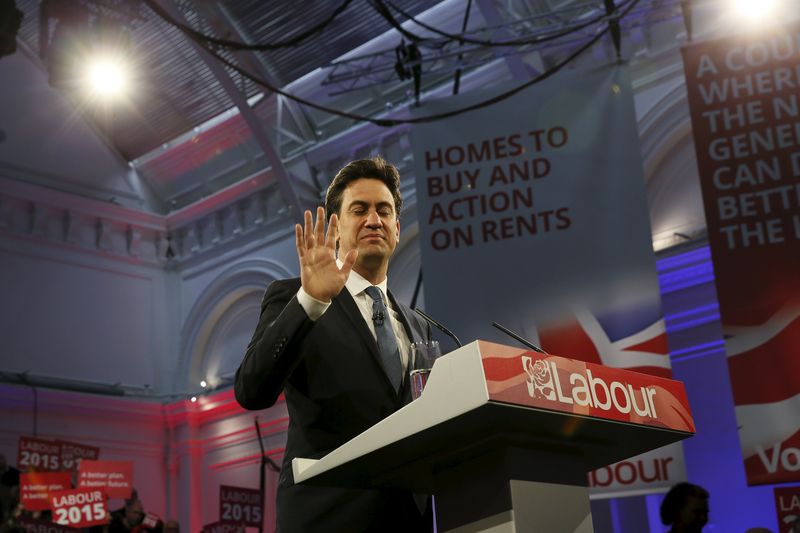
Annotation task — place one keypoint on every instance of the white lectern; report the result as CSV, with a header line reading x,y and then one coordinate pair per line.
x,y
504,438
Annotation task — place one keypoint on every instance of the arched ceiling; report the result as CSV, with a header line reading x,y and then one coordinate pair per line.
x,y
195,126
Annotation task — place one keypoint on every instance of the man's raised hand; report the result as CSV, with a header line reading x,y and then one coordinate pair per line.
x,y
319,274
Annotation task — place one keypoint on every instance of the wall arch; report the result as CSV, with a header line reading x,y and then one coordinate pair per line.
x,y
219,320
672,182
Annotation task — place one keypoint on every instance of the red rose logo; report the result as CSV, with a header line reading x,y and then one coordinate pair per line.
x,y
541,373
540,380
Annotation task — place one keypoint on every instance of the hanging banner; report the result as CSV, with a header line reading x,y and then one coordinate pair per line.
x,y
79,508
113,477
222,527
533,214
38,455
32,525
238,505
787,507
73,452
745,109
35,488
150,521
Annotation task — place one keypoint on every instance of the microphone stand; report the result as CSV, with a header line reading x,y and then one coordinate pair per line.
x,y
438,326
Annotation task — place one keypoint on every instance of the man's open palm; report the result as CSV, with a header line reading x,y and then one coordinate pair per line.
x,y
319,274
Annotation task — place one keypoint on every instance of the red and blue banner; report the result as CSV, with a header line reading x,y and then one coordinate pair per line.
x,y
532,213
745,108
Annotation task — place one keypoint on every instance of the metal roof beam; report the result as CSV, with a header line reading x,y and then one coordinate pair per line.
x,y
255,125
256,63
368,69
492,17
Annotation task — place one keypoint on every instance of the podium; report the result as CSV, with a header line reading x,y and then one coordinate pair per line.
x,y
504,438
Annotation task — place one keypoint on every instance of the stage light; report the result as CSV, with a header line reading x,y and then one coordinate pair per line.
x,y
755,10
204,384
194,399
106,77
109,62
86,52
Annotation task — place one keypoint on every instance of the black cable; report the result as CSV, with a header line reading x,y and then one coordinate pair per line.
x,y
480,42
383,11
266,460
236,45
465,23
384,122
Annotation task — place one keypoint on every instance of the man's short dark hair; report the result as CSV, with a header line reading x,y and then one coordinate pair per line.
x,y
376,168
676,499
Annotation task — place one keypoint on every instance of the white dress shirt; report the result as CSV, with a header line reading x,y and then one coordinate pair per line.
x,y
356,284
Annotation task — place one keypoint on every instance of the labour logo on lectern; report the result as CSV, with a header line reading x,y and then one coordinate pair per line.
x,y
540,379
584,389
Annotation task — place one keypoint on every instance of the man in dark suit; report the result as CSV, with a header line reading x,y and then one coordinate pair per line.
x,y
338,345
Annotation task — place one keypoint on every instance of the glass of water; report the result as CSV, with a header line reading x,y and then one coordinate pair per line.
x,y
423,355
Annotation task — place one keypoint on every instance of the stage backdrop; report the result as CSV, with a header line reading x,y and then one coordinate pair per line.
x,y
745,106
533,214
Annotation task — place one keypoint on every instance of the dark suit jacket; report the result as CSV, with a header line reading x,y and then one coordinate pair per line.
x,y
335,388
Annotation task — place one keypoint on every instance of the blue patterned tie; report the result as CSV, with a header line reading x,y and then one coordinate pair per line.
x,y
387,343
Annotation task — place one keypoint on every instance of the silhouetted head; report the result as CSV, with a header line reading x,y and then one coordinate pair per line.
x,y
685,508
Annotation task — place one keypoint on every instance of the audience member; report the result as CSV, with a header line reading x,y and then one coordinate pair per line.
x,y
685,508
9,480
130,520
9,476
121,511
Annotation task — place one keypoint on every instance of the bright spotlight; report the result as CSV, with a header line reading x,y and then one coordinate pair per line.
x,y
755,9
194,399
204,384
107,77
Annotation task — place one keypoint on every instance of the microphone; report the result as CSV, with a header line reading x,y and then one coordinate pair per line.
x,y
438,326
378,318
527,343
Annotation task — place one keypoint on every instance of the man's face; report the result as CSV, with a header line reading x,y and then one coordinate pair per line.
x,y
368,222
694,515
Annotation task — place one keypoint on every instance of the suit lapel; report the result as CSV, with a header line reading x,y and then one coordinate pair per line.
x,y
406,319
